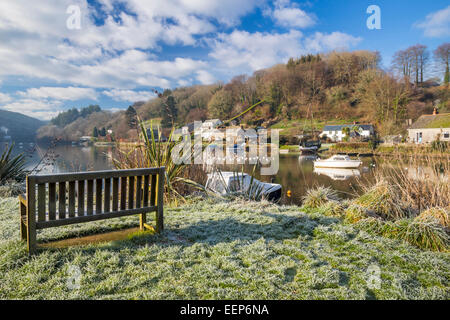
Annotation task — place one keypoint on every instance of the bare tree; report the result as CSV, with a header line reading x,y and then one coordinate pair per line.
x,y
441,55
402,62
419,55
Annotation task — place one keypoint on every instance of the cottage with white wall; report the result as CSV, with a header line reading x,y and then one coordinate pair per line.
x,y
429,127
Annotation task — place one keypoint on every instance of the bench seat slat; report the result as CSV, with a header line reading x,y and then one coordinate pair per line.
x,y
72,199
123,193
115,195
98,195
41,202
52,201
90,197
95,217
62,200
107,197
92,175
81,198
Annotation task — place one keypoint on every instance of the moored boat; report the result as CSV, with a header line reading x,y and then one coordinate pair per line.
x,y
338,161
224,183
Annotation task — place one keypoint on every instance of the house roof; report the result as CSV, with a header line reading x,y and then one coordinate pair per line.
x,y
340,127
431,121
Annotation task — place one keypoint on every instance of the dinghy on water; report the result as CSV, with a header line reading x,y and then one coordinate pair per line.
x,y
338,161
231,182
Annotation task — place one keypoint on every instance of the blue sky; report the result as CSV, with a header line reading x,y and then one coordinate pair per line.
x,y
123,49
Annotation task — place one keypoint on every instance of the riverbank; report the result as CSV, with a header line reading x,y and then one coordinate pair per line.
x,y
364,148
222,249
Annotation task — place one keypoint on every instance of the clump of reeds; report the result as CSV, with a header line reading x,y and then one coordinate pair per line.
x,y
333,209
421,182
440,214
426,233
319,196
383,199
152,152
354,213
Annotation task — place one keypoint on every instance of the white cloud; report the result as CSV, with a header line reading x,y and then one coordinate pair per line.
x,y
293,17
129,95
40,109
4,97
37,44
436,24
241,51
286,14
205,77
333,41
60,93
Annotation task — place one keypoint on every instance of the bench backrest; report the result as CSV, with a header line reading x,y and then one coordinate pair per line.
x,y
67,198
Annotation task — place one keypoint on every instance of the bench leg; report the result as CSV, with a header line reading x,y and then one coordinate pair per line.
x,y
31,240
160,204
23,226
142,221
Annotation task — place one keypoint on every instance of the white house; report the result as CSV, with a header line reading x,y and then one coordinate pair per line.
x,y
334,132
429,127
208,127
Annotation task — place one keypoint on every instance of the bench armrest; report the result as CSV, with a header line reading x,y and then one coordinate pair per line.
x,y
23,199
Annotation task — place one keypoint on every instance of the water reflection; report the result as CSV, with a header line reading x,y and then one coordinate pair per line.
x,y
338,174
296,174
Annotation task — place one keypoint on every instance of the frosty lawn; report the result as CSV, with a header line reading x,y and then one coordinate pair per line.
x,y
219,249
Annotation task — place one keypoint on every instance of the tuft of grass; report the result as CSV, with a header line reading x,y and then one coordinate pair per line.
x,y
354,213
333,209
426,233
440,214
384,199
319,196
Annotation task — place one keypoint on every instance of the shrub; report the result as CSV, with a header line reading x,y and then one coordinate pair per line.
x,y
384,199
439,146
149,153
11,189
11,168
440,214
319,196
333,209
425,233
354,213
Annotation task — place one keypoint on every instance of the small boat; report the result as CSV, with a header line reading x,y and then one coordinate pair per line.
x,y
310,147
230,182
338,161
338,173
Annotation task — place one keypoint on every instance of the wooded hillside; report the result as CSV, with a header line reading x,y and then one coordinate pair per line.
x,y
332,88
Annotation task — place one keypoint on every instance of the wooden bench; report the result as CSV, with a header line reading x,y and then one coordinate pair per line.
x,y
90,196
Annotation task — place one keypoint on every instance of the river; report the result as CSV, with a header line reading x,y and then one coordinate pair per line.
x,y
296,173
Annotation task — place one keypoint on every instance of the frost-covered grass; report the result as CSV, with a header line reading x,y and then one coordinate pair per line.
x,y
222,249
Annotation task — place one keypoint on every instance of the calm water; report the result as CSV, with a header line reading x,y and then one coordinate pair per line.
x,y
296,172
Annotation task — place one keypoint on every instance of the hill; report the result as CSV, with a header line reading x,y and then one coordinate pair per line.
x,y
333,88
20,127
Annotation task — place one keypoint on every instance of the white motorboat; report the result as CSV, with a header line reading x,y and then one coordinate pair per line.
x,y
338,173
231,182
338,161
